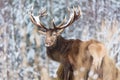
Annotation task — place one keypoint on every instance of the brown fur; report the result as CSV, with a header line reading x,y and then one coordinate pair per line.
x,y
72,54
76,54
65,52
104,67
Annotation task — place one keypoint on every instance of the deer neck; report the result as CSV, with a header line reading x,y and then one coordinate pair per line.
x,y
60,45
60,48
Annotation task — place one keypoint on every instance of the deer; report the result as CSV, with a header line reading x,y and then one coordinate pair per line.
x,y
79,60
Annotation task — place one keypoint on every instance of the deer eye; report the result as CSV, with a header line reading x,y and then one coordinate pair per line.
x,y
54,34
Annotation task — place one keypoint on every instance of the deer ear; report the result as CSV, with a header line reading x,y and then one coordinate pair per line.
x,y
42,32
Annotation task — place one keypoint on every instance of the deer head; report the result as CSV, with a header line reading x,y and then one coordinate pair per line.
x,y
52,33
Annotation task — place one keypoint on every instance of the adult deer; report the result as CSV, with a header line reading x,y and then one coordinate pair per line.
x,y
76,57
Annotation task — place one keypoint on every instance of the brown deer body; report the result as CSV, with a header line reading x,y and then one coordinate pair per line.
x,y
61,51
80,60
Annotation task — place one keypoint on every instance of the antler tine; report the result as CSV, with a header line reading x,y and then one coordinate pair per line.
x,y
74,16
79,13
43,12
53,24
61,23
35,19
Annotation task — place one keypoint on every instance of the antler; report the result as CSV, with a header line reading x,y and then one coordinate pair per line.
x,y
35,19
74,16
76,13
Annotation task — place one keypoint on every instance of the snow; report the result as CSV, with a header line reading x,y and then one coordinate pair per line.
x,y
19,44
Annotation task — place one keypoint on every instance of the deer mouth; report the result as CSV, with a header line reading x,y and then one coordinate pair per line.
x,y
48,44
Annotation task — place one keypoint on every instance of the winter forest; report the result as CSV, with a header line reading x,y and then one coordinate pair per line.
x,y
22,49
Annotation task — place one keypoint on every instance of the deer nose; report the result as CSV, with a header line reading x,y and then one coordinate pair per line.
x,y
48,43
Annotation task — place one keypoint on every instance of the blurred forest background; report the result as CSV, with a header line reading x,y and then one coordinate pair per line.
x,y
22,49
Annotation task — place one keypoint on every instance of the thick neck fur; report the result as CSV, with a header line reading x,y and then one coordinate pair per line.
x,y
60,48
